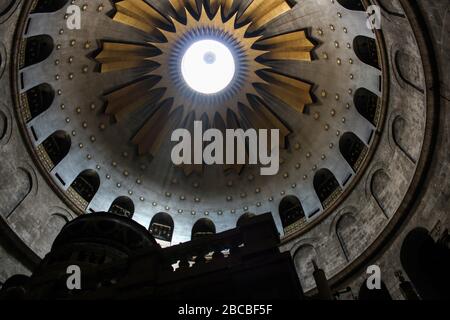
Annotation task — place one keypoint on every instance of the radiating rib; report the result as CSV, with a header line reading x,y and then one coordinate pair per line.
x,y
293,92
120,102
262,120
188,124
140,10
261,12
232,122
137,23
180,6
290,46
156,129
272,121
122,56
225,6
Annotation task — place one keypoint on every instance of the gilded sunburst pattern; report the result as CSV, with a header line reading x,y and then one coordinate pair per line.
x,y
159,85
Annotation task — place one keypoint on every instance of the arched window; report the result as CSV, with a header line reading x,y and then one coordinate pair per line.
x,y
352,148
374,295
39,99
366,50
244,218
57,146
291,212
49,5
366,103
161,227
37,49
203,227
326,186
427,264
86,185
122,206
352,4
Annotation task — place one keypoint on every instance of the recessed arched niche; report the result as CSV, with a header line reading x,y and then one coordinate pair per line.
x,y
303,259
408,70
6,5
380,189
404,138
16,185
347,232
3,125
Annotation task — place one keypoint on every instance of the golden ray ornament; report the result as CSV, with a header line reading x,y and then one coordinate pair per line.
x,y
160,86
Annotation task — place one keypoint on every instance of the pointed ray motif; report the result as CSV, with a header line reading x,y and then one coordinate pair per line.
x,y
159,82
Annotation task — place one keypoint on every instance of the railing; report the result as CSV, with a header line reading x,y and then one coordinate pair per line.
x,y
231,245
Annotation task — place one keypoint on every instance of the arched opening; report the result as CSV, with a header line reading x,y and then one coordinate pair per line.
x,y
366,103
39,99
352,4
326,187
37,49
86,185
427,264
366,50
291,213
49,5
122,206
352,149
203,228
161,227
57,146
244,218
382,294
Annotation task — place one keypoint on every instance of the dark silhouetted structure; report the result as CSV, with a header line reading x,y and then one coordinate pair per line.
x,y
119,259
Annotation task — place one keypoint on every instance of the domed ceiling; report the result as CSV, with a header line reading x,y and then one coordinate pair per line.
x,y
98,105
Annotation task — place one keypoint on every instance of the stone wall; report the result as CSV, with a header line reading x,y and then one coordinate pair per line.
x,y
430,208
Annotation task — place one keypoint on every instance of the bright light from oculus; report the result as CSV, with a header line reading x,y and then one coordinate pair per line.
x,y
208,66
